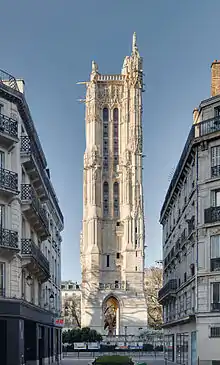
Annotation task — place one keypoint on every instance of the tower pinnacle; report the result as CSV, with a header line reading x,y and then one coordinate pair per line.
x,y
134,43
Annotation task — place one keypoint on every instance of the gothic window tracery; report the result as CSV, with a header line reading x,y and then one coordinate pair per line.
x,y
115,135
116,199
105,118
105,199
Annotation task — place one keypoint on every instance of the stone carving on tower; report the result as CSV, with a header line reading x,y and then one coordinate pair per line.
x,y
112,240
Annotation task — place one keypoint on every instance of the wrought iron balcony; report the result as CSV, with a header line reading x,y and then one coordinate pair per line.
x,y
112,286
212,215
36,169
8,181
215,307
8,239
215,171
34,259
8,80
169,289
8,131
34,210
215,264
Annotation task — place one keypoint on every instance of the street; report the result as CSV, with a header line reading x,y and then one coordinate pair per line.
x,y
84,359
72,361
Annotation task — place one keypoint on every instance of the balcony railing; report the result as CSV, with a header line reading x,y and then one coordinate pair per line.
x,y
209,126
215,307
197,130
30,249
8,180
167,289
215,264
28,195
8,126
112,286
212,215
8,80
8,239
28,148
215,171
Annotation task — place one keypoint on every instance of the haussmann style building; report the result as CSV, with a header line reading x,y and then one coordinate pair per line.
x,y
30,241
112,240
190,217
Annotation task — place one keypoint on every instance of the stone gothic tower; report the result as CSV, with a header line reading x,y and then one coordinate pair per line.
x,y
112,239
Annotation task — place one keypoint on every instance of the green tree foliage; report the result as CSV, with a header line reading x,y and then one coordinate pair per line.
x,y
153,283
81,335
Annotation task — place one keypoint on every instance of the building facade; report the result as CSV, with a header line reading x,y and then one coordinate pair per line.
x,y
71,304
190,217
30,240
112,240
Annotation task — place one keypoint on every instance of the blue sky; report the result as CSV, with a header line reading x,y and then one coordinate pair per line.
x,y
51,44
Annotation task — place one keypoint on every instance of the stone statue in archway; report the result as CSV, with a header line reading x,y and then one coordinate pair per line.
x,y
110,320
110,314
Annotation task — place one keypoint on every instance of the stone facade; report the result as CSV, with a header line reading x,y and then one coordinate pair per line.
x,y
71,304
30,242
190,217
112,239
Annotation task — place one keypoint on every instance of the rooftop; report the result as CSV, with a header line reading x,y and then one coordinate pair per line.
x,y
197,131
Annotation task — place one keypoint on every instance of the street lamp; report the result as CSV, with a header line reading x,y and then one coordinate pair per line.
x,y
126,327
51,299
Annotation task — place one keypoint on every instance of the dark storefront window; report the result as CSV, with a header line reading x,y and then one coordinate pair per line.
x,y
182,346
169,347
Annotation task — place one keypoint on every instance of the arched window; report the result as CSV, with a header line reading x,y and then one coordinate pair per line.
x,y
105,199
105,115
116,199
105,139
115,135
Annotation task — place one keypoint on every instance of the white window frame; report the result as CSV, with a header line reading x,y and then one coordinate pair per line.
x,y
2,216
215,156
215,198
212,300
215,241
2,159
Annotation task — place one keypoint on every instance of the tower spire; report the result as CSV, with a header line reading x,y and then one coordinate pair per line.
x,y
134,44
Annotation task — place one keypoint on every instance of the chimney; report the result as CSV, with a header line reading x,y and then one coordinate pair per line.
x,y
215,78
195,115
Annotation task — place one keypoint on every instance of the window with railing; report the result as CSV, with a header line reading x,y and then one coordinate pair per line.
x,y
215,161
182,348
215,253
215,296
2,279
105,138
215,331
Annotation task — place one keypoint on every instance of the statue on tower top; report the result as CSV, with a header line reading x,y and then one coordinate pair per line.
x,y
94,71
134,45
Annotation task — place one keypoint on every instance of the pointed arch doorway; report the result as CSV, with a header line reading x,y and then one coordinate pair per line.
x,y
111,315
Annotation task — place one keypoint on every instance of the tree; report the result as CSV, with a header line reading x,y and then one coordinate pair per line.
x,y
153,283
81,335
72,311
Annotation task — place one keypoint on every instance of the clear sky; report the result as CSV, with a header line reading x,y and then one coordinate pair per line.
x,y
51,44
